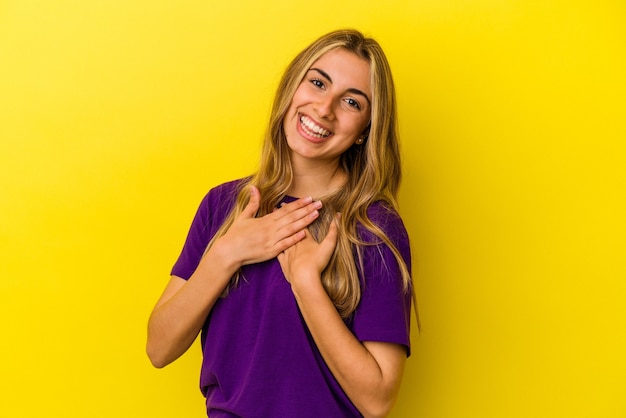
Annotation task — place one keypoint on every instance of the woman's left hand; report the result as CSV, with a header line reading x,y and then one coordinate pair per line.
x,y
307,259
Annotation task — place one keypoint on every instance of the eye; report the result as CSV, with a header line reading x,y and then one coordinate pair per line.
x,y
353,103
317,83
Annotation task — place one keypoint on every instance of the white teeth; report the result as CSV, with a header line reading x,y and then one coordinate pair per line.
x,y
312,128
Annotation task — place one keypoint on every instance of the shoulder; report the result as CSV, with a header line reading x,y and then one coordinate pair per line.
x,y
226,191
383,213
384,263
391,232
213,210
223,196
218,202
385,217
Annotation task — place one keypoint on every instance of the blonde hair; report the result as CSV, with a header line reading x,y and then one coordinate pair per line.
x,y
373,168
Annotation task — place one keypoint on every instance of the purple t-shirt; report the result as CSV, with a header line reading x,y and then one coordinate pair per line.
x,y
259,359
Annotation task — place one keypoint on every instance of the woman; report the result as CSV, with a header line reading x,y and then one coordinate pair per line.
x,y
298,276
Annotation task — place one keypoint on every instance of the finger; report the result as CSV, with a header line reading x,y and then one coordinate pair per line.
x,y
298,218
289,241
290,225
288,208
253,203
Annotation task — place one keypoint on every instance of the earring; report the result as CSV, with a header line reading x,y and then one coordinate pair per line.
x,y
360,140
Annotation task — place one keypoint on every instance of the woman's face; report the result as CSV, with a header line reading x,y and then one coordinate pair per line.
x,y
330,108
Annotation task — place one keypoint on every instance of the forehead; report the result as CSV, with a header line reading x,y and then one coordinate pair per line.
x,y
346,69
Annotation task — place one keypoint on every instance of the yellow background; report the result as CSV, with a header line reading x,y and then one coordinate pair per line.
x,y
117,116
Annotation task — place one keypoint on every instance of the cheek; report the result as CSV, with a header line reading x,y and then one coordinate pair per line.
x,y
292,110
360,125
366,123
299,96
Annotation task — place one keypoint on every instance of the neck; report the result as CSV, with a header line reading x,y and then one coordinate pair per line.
x,y
316,179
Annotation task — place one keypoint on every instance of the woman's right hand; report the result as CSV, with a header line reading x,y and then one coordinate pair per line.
x,y
184,305
252,240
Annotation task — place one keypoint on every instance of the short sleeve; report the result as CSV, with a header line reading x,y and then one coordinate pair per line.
x,y
384,312
213,210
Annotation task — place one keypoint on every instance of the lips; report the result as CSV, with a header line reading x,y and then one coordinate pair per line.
x,y
309,127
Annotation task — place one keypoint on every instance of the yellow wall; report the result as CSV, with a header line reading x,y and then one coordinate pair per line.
x,y
116,117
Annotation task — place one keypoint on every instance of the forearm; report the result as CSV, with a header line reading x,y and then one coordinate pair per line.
x,y
370,383
179,316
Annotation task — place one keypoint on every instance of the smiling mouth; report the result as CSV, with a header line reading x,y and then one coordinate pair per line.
x,y
313,129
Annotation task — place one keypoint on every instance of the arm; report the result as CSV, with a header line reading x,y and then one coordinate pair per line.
x,y
180,312
183,307
369,372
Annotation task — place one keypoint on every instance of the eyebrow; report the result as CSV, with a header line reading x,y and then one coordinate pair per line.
x,y
350,90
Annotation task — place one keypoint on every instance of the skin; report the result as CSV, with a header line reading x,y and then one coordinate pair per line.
x,y
334,95
179,314
369,372
327,97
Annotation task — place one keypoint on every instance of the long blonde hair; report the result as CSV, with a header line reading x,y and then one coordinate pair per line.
x,y
373,168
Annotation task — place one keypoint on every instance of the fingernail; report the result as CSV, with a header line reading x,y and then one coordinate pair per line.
x,y
317,204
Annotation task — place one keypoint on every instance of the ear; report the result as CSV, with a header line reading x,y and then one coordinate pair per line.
x,y
363,135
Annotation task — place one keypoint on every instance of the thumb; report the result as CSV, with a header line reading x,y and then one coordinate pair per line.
x,y
330,240
253,204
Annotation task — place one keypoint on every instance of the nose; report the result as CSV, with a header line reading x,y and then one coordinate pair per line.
x,y
325,107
